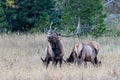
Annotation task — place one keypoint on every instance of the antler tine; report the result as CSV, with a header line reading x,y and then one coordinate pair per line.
x,y
77,31
50,28
45,30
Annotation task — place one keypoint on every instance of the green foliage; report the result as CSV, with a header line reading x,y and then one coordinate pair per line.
x,y
91,14
34,15
4,27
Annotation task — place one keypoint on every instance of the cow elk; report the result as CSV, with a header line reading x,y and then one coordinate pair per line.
x,y
86,52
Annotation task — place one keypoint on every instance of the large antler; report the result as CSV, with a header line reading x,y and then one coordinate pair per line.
x,y
50,28
76,32
107,3
78,29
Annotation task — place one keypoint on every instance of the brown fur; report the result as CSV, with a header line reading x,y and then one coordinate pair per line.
x,y
86,51
54,50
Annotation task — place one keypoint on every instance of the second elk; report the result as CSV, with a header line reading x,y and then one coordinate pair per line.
x,y
85,52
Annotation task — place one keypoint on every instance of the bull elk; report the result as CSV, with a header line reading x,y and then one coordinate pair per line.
x,y
86,51
55,48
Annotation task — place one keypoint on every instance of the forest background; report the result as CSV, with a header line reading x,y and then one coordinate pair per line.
x,y
98,17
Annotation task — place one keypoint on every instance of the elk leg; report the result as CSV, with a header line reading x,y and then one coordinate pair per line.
x,y
80,61
75,58
98,63
96,60
47,61
93,62
54,61
43,60
61,62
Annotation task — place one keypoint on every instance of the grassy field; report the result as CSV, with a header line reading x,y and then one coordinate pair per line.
x,y
20,59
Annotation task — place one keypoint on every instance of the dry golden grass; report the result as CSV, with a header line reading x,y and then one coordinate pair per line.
x,y
20,59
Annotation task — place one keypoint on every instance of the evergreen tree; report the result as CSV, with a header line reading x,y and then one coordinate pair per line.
x,y
91,15
25,15
4,27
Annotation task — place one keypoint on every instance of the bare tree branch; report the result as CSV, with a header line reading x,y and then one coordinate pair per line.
x,y
107,3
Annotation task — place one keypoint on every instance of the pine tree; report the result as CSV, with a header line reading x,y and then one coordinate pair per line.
x,y
33,15
91,15
4,27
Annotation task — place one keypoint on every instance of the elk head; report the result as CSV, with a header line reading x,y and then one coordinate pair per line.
x,y
52,35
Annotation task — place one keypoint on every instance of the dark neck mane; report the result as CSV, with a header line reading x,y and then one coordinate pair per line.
x,y
56,48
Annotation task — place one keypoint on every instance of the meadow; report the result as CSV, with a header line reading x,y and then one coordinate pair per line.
x,y
20,59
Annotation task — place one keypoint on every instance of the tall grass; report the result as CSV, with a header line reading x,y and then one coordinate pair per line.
x,y
20,59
